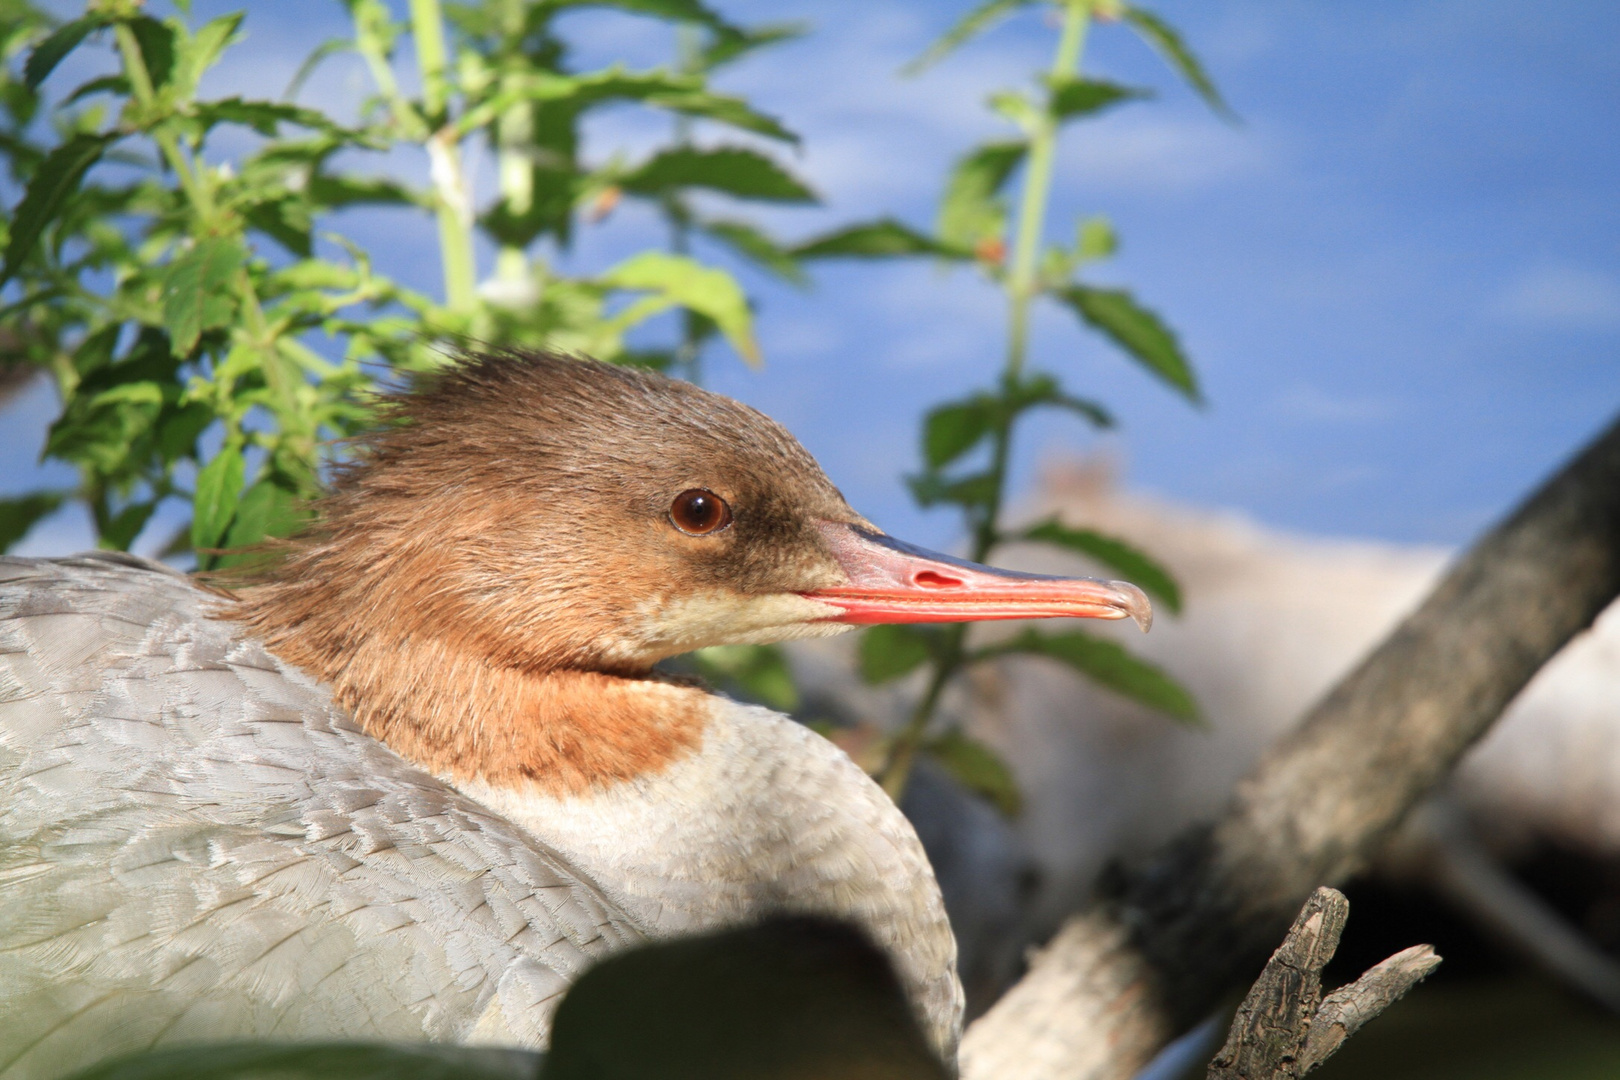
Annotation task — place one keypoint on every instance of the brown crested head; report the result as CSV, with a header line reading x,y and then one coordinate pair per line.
x,y
547,512
526,529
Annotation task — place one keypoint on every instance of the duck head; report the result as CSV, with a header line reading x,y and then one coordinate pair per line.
x,y
555,513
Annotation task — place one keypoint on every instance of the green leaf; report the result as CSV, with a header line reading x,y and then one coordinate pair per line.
x,y
735,42
951,430
566,96
156,41
969,26
219,490
328,48
1162,36
760,672
102,431
570,95
677,11
179,428
198,293
979,769
96,350
120,531
745,174
724,109
977,492
754,245
683,281
202,51
1098,416
883,239
268,509
1042,389
262,116
1017,109
1108,664
1128,561
54,49
1096,239
117,85
20,513
337,191
972,209
1081,97
890,651
287,222
56,179
1137,330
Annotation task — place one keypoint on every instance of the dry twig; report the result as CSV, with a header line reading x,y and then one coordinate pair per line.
x,y
1285,1028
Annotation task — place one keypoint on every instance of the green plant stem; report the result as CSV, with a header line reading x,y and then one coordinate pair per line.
x,y
513,132
1037,188
427,30
192,181
444,159
903,750
689,351
688,354
369,46
1021,289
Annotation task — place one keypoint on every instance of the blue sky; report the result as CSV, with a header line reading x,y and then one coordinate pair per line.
x,y
1399,276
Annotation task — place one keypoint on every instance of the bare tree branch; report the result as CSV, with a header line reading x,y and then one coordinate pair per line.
x,y
1344,1011
1121,979
1268,1031
1285,1028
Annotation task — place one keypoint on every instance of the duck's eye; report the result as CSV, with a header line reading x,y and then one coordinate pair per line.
x,y
699,512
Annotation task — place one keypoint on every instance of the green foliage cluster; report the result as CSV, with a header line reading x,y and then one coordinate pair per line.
x,y
212,333
210,330
966,444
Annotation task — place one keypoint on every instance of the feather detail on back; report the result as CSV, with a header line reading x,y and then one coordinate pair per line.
x,y
196,842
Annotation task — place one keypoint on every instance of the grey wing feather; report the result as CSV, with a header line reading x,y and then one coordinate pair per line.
x,y
196,843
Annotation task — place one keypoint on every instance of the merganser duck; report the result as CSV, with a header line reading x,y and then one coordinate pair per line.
x,y
415,777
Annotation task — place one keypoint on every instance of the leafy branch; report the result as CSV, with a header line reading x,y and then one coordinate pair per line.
x,y
210,334
967,443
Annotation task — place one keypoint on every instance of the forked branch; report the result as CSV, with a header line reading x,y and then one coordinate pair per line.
x,y
1285,1027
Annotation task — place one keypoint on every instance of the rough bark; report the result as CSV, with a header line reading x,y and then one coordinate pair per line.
x,y
1285,1027
1173,934
1269,1029
1344,1011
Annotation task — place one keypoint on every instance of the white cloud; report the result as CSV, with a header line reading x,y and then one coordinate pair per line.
x,y
1312,404
951,319
1154,153
1561,296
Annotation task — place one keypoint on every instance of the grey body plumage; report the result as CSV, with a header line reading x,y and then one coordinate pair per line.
x,y
195,842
